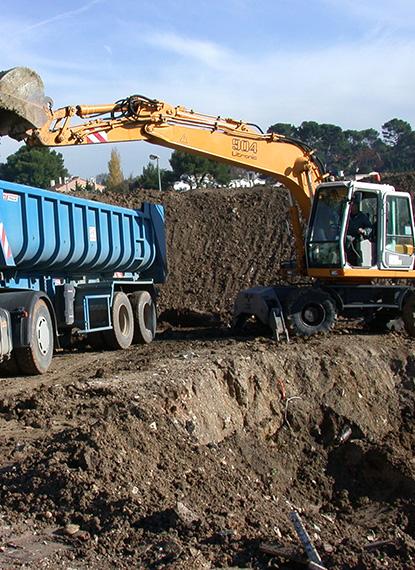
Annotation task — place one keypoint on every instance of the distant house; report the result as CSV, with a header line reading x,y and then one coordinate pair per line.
x,y
75,183
240,183
181,186
246,182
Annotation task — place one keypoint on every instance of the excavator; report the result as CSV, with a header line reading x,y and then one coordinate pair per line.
x,y
354,240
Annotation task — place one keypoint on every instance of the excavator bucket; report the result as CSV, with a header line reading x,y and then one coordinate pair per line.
x,y
23,104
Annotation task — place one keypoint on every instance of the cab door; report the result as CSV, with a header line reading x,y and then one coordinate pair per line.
x,y
398,231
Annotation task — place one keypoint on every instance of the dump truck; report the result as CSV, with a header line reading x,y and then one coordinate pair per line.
x,y
354,240
71,267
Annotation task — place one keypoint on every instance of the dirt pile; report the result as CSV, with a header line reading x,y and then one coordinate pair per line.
x,y
190,454
219,241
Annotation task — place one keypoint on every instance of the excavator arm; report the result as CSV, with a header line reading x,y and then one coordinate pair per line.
x,y
139,118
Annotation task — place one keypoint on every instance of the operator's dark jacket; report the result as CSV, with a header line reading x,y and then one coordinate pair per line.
x,y
359,220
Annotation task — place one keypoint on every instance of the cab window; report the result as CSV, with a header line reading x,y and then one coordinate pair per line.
x,y
324,247
399,227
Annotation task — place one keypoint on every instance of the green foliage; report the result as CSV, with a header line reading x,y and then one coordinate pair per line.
x,y
283,129
357,151
199,167
400,142
395,131
115,175
34,167
149,177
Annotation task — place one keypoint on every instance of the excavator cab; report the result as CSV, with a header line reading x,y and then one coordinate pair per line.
x,y
359,227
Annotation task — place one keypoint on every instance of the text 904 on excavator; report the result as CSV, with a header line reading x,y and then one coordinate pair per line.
x,y
358,235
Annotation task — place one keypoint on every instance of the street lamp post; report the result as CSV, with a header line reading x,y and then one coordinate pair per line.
x,y
157,159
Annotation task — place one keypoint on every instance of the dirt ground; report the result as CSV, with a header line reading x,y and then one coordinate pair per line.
x,y
190,453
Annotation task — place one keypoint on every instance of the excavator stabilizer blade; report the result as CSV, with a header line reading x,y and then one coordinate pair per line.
x,y
23,104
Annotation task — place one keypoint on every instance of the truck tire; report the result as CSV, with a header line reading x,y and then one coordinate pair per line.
x,y
36,358
408,314
309,311
145,317
121,335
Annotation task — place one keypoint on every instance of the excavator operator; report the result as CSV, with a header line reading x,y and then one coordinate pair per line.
x,y
359,228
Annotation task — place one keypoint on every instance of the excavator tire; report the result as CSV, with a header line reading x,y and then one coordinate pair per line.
x,y
408,314
310,311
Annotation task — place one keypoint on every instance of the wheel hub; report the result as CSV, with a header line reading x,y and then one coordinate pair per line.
x,y
43,335
314,315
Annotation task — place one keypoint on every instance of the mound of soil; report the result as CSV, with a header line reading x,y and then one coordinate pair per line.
x,y
219,241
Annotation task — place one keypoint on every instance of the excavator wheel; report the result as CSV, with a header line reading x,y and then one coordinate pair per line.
x,y
309,311
408,314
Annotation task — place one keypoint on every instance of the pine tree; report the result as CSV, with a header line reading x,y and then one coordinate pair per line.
x,y
33,166
115,175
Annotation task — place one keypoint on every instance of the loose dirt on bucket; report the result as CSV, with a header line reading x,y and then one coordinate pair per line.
x,y
191,452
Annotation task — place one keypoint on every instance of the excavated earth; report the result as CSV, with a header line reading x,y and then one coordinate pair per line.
x,y
191,453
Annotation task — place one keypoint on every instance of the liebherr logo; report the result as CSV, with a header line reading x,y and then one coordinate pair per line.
x,y
244,148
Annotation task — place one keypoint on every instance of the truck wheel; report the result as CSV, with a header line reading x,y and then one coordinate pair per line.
x,y
408,314
36,358
121,334
310,311
145,317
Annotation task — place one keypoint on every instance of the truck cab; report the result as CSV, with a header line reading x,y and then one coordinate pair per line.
x,y
361,230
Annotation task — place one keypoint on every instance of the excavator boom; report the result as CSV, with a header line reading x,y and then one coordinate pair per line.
x,y
26,114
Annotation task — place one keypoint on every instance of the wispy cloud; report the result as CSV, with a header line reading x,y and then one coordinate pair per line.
x,y
205,51
62,16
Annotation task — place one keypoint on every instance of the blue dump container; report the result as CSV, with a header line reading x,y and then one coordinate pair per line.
x,y
58,235
71,267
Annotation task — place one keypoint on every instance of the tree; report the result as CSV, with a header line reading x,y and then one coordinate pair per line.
x,y
115,175
33,166
353,151
149,177
366,151
198,167
394,131
282,129
400,145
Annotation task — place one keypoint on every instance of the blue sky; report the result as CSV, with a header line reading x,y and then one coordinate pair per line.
x,y
347,62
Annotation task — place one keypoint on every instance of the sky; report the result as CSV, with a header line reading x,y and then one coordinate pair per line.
x,y
346,62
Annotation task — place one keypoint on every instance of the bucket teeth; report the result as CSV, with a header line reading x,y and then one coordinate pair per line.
x,y
23,104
